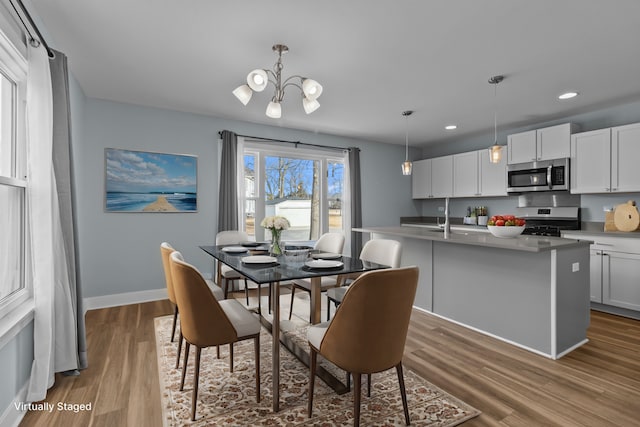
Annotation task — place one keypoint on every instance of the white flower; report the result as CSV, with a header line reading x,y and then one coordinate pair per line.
x,y
275,223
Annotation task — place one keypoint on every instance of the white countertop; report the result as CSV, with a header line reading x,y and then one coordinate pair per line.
x,y
520,243
602,233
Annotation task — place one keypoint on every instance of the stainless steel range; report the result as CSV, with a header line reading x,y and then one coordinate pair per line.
x,y
549,213
549,221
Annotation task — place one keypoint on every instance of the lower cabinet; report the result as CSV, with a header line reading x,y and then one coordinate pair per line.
x,y
621,279
614,270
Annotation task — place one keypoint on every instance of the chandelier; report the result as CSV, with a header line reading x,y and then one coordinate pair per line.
x,y
495,151
258,79
406,165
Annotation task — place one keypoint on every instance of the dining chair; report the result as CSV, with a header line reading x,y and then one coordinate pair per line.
x,y
368,333
331,243
165,251
206,322
381,251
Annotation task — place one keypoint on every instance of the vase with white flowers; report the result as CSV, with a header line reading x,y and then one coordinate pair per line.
x,y
275,224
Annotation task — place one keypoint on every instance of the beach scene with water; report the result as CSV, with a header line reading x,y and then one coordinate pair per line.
x,y
139,181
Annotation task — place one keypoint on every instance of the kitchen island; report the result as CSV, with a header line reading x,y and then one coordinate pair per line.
x,y
530,291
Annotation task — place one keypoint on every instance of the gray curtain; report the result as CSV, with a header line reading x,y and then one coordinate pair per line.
x,y
356,200
63,170
228,198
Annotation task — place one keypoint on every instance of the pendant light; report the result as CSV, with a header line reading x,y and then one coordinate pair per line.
x,y
407,165
495,151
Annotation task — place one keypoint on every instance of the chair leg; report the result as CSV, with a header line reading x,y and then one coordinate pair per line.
x,y
246,291
270,285
293,293
179,349
175,320
357,386
231,357
403,393
312,378
196,378
368,385
226,288
348,380
328,308
184,365
218,351
256,343
259,299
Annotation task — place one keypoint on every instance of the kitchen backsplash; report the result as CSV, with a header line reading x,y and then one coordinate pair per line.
x,y
592,205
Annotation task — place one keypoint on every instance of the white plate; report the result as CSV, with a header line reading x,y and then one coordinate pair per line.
x,y
259,259
234,249
326,255
323,263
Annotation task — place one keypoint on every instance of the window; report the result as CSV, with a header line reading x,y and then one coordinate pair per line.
x,y
13,184
305,186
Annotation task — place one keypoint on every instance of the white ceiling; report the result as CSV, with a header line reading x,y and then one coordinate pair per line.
x,y
374,58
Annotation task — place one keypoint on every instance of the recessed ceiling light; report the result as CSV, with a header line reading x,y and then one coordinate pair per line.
x,y
568,95
451,127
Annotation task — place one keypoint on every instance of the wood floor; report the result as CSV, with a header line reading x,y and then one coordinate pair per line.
x,y
596,385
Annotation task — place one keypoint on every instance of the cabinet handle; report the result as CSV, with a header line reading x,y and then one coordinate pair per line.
x,y
614,189
607,189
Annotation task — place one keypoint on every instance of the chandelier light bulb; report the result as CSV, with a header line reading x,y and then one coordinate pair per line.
x,y
243,93
274,110
310,105
311,89
257,80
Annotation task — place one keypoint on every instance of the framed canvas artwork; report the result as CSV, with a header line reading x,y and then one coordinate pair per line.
x,y
141,181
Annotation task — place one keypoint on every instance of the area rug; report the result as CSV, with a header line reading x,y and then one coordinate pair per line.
x,y
228,399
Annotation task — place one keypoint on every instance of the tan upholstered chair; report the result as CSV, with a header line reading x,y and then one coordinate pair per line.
x,y
368,332
328,242
381,251
206,322
165,251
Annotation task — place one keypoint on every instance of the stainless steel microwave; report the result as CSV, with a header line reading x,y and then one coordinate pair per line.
x,y
546,175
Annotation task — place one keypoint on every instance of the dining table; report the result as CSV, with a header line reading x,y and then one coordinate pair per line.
x,y
278,270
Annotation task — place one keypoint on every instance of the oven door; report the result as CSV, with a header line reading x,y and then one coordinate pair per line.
x,y
538,176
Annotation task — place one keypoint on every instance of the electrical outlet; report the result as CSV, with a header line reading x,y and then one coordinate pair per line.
x,y
440,208
575,267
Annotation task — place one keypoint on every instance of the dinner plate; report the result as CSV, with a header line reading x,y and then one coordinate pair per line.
x,y
251,244
326,255
234,249
323,263
259,259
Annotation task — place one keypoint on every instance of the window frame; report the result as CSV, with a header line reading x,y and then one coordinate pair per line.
x,y
16,306
260,150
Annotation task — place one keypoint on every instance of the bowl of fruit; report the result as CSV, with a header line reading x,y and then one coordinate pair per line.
x,y
506,225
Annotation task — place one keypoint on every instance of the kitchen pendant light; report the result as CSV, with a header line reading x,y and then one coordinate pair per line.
x,y
495,151
407,165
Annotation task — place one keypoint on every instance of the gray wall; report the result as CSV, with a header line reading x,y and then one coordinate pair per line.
x,y
591,205
119,252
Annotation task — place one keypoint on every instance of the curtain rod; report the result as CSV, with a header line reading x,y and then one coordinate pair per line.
x,y
296,143
32,40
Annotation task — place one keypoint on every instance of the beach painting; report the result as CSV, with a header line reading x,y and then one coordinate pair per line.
x,y
140,181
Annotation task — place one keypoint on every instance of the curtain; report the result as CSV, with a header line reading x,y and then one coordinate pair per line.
x,y
228,192
62,166
356,200
55,346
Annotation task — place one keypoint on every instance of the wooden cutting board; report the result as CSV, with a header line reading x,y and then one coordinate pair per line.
x,y
626,216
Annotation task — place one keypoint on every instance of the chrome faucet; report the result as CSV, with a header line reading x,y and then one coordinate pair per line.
x,y
447,226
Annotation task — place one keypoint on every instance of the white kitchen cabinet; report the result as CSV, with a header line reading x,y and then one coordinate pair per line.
x,y
605,160
614,269
421,179
474,175
442,176
493,176
466,174
591,162
595,268
553,142
621,279
625,152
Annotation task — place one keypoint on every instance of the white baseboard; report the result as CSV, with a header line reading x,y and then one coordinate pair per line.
x,y
124,299
12,415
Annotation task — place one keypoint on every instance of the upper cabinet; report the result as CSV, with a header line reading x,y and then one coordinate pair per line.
x,y
432,178
548,143
605,160
474,175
